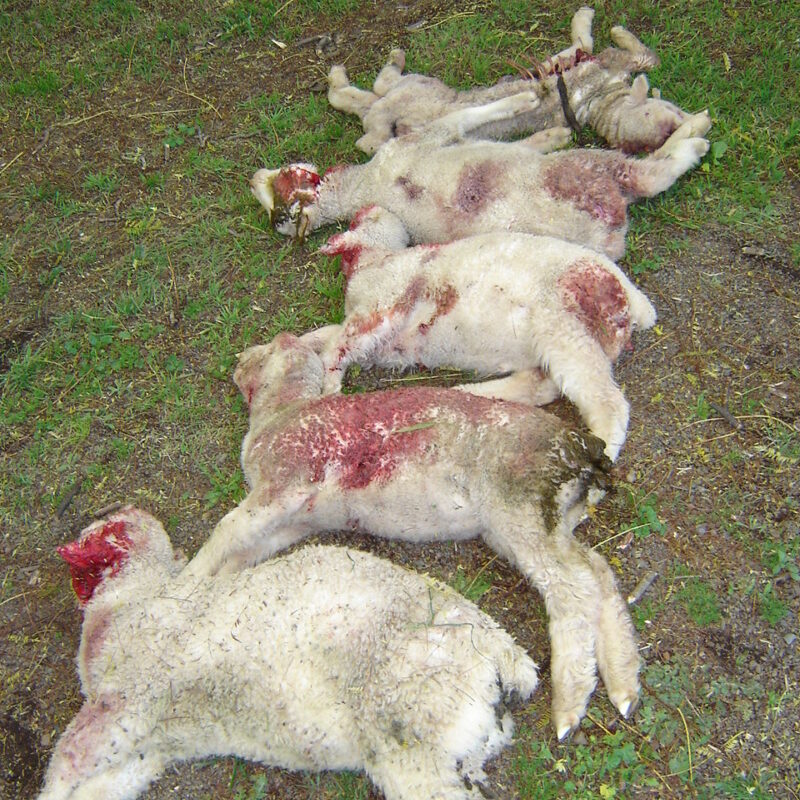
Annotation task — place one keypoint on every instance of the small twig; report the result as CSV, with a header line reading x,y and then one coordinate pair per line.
x,y
69,496
104,511
174,285
68,123
641,588
42,141
11,162
284,7
621,533
688,744
598,723
130,56
726,415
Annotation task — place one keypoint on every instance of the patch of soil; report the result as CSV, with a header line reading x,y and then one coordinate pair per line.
x,y
711,390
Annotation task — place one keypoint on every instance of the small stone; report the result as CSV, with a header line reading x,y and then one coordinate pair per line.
x,y
579,737
790,638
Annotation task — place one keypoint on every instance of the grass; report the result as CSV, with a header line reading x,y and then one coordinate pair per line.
x,y
134,265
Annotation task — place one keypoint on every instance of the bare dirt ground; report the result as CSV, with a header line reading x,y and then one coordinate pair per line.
x,y
708,476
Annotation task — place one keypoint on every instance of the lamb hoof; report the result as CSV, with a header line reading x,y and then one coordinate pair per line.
x,y
337,77
398,58
628,707
567,725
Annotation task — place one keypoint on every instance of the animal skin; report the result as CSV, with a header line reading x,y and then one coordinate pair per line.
x,y
327,658
492,303
431,464
445,187
598,89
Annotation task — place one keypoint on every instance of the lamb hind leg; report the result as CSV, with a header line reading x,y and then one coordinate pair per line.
x,y
582,372
344,97
559,568
456,125
391,73
617,651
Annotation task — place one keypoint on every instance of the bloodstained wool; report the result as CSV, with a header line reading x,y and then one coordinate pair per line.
x,y
597,299
350,253
89,559
600,186
358,439
478,185
412,190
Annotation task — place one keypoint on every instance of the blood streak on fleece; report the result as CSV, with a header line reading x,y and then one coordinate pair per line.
x,y
358,439
92,559
597,299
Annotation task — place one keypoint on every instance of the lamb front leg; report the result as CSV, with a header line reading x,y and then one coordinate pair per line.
x,y
531,387
250,534
680,153
456,125
95,757
357,342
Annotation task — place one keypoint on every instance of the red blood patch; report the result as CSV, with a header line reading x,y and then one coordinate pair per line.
x,y
445,297
478,184
338,246
360,215
598,184
359,439
96,557
293,183
595,296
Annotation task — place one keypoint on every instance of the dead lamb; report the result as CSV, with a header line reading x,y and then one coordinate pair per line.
x,y
597,92
492,303
444,187
327,658
431,464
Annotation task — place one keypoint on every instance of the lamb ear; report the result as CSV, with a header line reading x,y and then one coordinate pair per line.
x,y
335,245
639,89
261,187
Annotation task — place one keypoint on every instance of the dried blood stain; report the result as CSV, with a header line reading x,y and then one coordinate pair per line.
x,y
88,731
412,190
95,557
359,439
478,185
596,297
599,185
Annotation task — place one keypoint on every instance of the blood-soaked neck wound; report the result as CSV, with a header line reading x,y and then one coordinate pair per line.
x,y
94,558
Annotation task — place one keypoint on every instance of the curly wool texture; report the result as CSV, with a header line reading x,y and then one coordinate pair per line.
x,y
492,303
431,464
323,659
598,89
444,186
